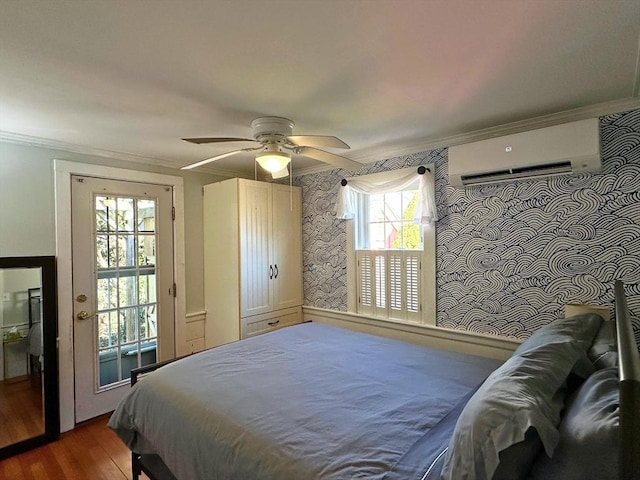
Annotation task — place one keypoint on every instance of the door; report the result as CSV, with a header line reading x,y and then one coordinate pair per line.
x,y
256,270
286,246
123,287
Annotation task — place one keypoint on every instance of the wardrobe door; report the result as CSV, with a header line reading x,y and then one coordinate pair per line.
x,y
221,225
256,270
287,246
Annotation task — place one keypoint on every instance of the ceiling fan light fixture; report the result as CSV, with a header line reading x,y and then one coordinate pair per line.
x,y
280,173
273,162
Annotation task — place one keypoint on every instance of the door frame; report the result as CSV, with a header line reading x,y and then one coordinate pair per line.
x,y
63,170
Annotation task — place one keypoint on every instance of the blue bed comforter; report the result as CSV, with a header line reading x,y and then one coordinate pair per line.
x,y
305,402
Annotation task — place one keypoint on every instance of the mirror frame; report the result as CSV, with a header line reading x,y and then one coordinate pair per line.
x,y
51,400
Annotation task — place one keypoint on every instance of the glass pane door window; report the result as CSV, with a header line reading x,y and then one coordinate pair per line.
x,y
125,256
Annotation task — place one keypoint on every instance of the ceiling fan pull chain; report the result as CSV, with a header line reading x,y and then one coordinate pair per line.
x,y
291,185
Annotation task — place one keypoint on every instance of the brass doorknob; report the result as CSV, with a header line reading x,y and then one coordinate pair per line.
x,y
83,315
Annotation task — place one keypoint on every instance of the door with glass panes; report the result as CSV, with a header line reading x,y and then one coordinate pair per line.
x,y
123,290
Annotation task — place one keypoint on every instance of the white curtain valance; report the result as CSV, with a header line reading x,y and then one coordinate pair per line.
x,y
372,184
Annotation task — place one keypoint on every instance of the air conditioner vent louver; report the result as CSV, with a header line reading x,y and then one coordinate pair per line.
x,y
517,173
560,149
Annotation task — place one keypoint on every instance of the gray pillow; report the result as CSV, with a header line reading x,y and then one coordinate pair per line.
x,y
579,328
603,353
515,461
524,392
589,433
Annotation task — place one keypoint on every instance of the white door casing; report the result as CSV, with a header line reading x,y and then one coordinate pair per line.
x,y
123,285
63,170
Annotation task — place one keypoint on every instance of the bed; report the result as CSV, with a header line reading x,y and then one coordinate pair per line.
x,y
317,402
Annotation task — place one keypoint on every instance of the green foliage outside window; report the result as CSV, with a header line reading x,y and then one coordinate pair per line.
x,y
409,236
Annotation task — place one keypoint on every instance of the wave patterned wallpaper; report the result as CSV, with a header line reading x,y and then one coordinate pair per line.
x,y
509,256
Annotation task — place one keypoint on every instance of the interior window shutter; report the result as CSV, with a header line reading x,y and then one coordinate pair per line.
x,y
396,277
365,291
412,278
380,282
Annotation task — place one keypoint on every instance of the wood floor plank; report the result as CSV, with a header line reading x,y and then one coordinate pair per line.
x,y
90,451
21,414
47,464
64,460
27,462
11,469
38,472
80,448
118,451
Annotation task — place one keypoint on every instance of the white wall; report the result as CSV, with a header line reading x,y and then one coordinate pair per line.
x,y
26,202
27,227
27,222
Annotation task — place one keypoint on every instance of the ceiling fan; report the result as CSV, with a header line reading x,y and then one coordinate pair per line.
x,y
277,143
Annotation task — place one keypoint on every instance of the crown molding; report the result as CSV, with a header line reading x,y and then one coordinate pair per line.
x,y
32,141
316,169
581,113
21,139
597,110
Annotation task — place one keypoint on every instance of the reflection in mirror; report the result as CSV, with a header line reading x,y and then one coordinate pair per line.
x,y
21,388
28,374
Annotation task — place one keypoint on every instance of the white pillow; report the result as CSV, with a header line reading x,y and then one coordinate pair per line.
x,y
580,329
526,391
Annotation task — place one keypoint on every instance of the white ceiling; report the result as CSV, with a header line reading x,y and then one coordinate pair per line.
x,y
129,79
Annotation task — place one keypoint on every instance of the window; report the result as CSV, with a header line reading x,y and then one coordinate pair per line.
x,y
389,246
388,254
386,221
125,252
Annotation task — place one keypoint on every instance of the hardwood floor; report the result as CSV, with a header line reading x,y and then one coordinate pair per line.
x,y
89,452
21,413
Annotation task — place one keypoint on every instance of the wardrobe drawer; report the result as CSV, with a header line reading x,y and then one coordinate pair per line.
x,y
195,345
195,329
267,322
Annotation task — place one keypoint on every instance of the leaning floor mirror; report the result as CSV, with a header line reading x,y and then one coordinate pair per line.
x,y
29,405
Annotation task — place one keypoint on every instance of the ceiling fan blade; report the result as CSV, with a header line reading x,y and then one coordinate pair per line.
x,y
218,157
217,140
330,158
317,141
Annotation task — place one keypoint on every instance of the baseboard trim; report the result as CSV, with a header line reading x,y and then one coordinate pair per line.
x,y
462,341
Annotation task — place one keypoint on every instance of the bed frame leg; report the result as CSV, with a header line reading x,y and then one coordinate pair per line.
x,y
136,470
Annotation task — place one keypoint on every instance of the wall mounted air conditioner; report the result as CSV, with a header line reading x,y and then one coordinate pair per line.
x,y
568,148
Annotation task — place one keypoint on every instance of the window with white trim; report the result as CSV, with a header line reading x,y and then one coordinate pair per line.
x,y
387,243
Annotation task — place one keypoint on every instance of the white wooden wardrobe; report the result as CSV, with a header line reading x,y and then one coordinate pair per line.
x,y
252,258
